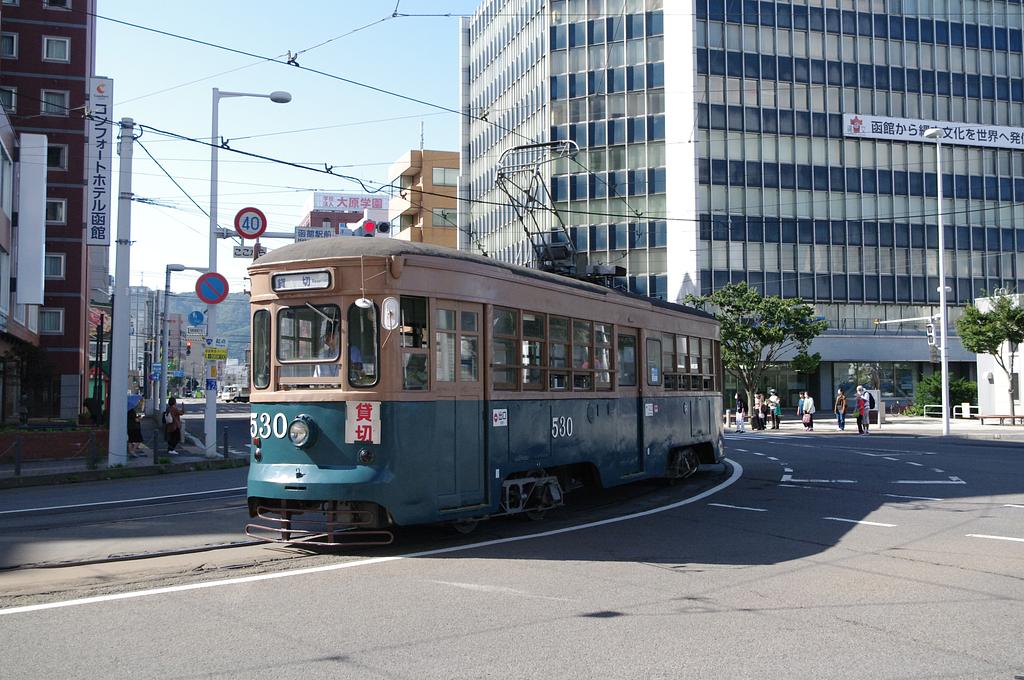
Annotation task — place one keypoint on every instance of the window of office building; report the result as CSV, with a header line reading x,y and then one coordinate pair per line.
x,y
445,177
54,102
56,49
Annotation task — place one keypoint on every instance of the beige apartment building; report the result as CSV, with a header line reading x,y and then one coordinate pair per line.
x,y
424,207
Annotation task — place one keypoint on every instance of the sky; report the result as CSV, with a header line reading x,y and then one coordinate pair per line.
x,y
166,83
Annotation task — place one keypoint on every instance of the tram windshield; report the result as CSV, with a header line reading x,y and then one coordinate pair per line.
x,y
308,340
362,346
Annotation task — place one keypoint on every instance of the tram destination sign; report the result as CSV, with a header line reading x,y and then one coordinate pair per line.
x,y
302,281
912,130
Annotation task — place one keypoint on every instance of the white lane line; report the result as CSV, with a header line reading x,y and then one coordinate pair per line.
x,y
951,480
1011,505
937,470
997,538
757,454
888,458
914,498
737,507
787,470
773,458
859,521
794,486
737,472
478,587
910,462
741,450
789,478
121,502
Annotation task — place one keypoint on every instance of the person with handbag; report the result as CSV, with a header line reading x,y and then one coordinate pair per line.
x,y
172,425
808,409
776,408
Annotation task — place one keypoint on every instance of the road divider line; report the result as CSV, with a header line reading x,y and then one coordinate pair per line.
x,y
737,472
951,480
737,507
853,521
121,502
914,498
910,462
1011,505
789,478
997,538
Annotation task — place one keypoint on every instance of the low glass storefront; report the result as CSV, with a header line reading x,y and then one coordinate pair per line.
x,y
786,382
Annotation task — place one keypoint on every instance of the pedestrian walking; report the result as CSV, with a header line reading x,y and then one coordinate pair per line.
x,y
808,408
172,425
840,409
741,412
800,406
865,402
766,412
134,427
776,408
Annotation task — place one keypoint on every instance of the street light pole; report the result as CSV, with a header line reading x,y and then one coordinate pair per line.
x,y
936,134
166,332
210,415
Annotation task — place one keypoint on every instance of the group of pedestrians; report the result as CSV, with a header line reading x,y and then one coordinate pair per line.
x,y
767,410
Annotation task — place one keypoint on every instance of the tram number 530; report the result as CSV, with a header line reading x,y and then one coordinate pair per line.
x,y
263,425
561,427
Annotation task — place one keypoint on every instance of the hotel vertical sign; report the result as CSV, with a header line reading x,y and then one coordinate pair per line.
x,y
99,160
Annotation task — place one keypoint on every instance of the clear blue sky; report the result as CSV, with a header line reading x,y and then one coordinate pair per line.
x,y
166,82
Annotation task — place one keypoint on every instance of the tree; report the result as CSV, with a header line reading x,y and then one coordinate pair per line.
x,y
758,330
993,332
929,391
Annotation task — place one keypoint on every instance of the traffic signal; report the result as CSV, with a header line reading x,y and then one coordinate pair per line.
x,y
188,348
370,227
930,329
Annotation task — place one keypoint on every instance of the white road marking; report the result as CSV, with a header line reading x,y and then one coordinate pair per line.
x,y
787,470
757,454
997,538
951,480
888,458
741,450
910,462
1011,505
793,486
937,470
737,507
789,478
773,458
914,498
483,588
737,472
121,502
853,521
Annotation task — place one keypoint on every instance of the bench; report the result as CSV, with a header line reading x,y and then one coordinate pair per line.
x,y
1001,418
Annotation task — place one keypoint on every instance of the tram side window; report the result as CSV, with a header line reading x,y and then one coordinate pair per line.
x,y
653,361
682,362
413,337
603,356
708,358
505,332
261,349
668,362
696,382
582,355
362,346
718,366
558,353
532,353
444,345
627,361
469,352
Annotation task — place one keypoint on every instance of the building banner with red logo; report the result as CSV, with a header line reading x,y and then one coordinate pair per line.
x,y
99,161
912,130
362,422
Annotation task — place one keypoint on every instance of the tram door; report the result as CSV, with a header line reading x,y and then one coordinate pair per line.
x,y
460,406
627,362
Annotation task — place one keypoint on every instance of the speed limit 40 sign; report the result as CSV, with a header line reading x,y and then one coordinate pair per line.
x,y
250,222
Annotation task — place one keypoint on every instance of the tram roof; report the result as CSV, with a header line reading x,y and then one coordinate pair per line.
x,y
354,246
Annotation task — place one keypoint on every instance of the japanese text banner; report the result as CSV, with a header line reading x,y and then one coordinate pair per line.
x,y
99,160
912,130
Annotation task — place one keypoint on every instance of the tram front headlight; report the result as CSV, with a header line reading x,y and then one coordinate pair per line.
x,y
302,431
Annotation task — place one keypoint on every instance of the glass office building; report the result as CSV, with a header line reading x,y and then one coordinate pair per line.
x,y
717,146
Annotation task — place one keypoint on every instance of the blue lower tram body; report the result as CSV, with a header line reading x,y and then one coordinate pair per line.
x,y
446,460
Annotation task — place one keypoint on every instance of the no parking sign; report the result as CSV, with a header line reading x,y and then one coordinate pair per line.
x,y
212,288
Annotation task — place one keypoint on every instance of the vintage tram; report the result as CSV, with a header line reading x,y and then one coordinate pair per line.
x,y
398,383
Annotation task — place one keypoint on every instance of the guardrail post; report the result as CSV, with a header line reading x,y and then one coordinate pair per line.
x,y
224,439
17,456
92,455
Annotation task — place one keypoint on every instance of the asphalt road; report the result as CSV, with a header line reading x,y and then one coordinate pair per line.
x,y
812,557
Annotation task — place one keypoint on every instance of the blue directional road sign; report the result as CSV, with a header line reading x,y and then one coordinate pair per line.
x,y
178,374
211,384
195,318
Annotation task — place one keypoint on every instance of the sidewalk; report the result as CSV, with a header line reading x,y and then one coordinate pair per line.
x,y
191,456
825,423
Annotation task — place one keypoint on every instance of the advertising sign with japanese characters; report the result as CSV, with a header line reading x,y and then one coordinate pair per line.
x,y
99,160
362,422
912,130
333,200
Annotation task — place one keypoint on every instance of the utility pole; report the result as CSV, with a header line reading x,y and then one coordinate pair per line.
x,y
117,450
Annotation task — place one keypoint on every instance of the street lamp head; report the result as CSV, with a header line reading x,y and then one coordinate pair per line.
x,y
933,133
176,267
280,97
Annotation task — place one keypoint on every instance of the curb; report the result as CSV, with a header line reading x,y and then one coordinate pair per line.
x,y
74,477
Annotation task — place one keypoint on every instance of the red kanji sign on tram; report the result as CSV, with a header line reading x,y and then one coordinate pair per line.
x,y
212,288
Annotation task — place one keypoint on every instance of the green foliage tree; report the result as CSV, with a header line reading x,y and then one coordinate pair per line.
x,y
997,332
758,330
929,391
